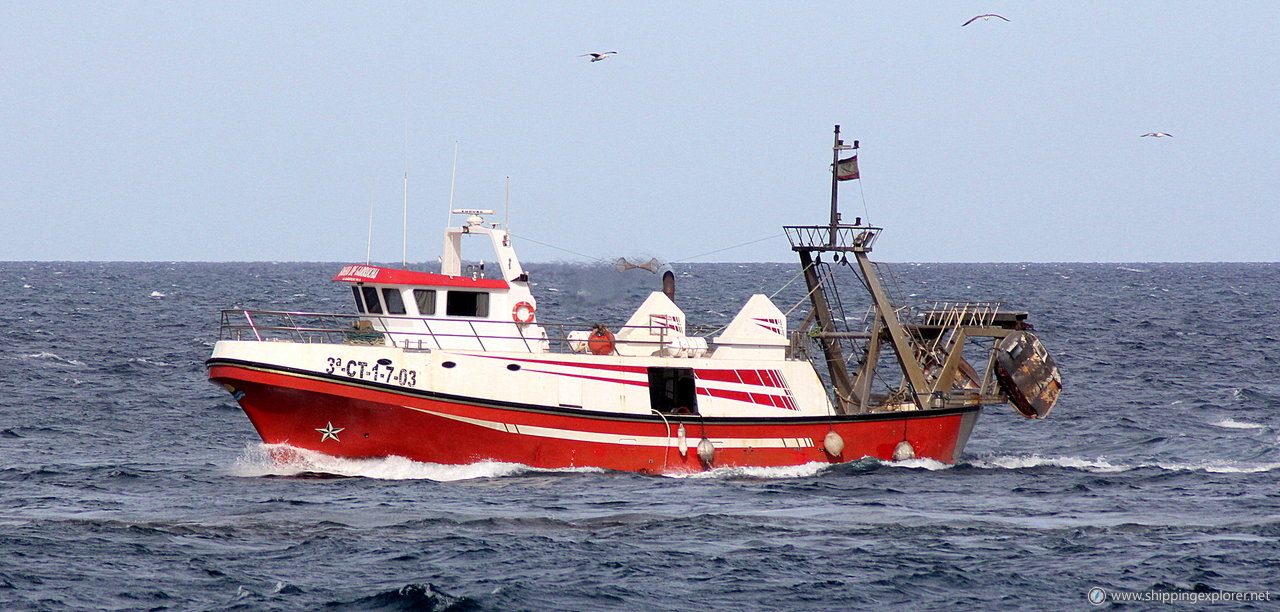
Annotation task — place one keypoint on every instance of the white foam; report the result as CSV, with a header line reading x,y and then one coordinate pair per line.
x,y
157,294
780,472
806,470
932,465
46,355
259,460
1028,461
1101,465
1233,424
1217,467
268,460
149,362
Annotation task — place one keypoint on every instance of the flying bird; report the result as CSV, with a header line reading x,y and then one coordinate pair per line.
x,y
595,57
622,265
1157,135
986,17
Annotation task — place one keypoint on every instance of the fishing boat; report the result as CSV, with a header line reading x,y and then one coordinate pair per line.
x,y
457,367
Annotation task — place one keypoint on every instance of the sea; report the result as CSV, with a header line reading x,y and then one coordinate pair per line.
x,y
128,482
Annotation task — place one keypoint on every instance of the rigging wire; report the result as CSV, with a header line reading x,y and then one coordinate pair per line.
x,y
749,242
603,260
821,281
787,284
865,212
599,259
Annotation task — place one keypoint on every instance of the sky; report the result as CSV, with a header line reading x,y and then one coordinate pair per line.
x,y
275,131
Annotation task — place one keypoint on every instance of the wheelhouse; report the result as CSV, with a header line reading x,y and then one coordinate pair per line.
x,y
449,310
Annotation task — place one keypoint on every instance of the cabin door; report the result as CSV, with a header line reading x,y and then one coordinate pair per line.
x,y
673,390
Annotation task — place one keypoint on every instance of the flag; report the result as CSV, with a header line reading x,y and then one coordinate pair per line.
x,y
847,169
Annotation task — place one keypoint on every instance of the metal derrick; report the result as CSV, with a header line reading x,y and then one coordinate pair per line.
x,y
927,345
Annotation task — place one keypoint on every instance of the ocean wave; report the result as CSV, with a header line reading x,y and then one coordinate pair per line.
x,y
424,596
148,362
53,357
1248,395
1018,462
1233,424
932,465
1102,465
769,473
282,460
1217,467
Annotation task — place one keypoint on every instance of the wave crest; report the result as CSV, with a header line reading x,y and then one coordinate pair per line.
x,y
1233,424
1102,465
282,460
409,597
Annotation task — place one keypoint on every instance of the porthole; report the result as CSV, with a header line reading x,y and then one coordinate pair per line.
x,y
448,364
384,361
514,367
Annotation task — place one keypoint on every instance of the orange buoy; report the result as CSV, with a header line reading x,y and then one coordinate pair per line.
x,y
600,341
523,313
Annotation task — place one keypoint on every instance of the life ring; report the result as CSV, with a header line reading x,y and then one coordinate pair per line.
x,y
600,341
525,318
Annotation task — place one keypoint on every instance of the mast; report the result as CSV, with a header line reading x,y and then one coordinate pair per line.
x,y
805,246
836,146
810,242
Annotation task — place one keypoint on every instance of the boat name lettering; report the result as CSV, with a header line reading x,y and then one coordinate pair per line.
x,y
371,371
365,271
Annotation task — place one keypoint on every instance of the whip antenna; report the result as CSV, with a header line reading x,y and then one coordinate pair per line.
x,y
404,222
453,181
368,247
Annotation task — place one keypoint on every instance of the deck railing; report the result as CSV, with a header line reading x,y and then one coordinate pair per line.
x,y
329,328
960,313
858,238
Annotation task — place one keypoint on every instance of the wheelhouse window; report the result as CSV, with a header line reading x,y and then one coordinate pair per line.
x,y
466,304
371,303
355,292
426,299
395,303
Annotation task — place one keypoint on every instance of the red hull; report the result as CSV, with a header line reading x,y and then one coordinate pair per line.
x,y
347,419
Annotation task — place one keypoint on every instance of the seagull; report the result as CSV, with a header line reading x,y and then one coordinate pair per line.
x,y
1157,135
984,18
595,57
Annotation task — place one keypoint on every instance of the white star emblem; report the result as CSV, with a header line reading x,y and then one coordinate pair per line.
x,y
329,431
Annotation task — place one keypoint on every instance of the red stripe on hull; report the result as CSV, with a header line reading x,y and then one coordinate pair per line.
x,y
370,422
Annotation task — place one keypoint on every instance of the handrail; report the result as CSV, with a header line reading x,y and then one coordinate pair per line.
x,y
857,238
314,327
251,325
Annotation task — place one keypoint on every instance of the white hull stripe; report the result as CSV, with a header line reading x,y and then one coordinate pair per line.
x,y
762,387
620,439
